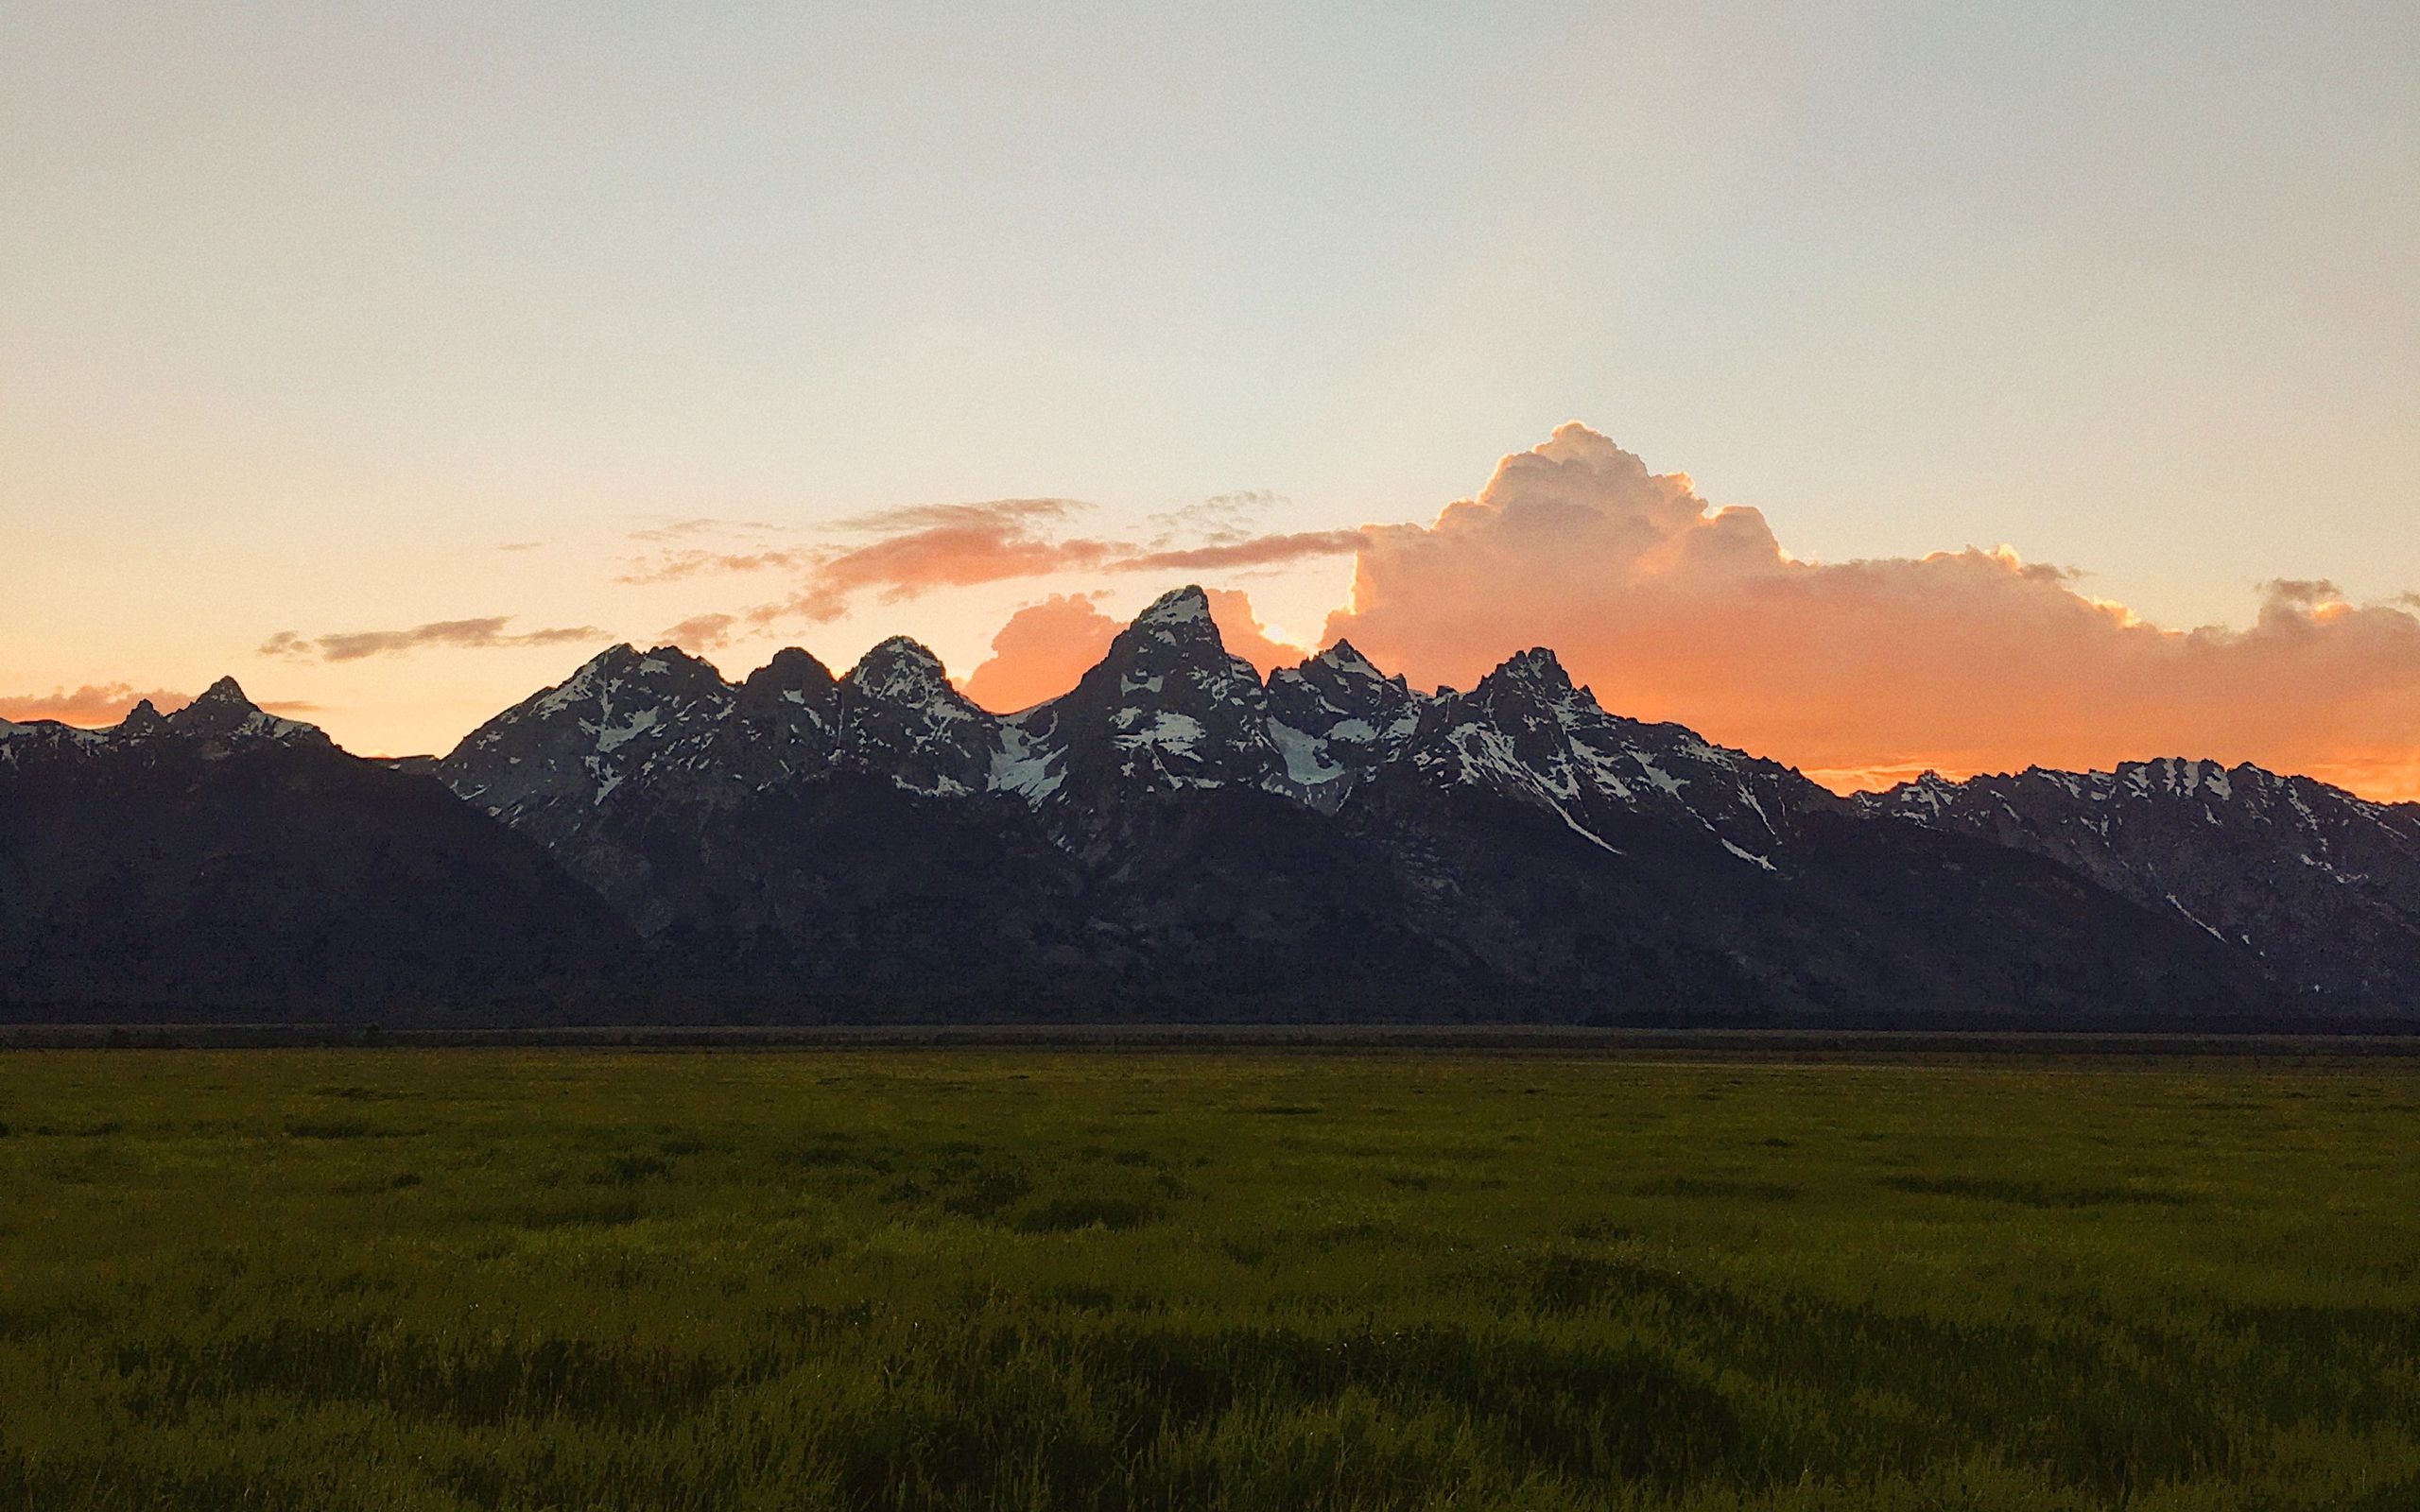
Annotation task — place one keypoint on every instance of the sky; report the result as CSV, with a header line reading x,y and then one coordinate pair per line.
x,y
2039,380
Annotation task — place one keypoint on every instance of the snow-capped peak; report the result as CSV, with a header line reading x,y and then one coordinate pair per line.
x,y
223,716
1180,609
900,671
1536,668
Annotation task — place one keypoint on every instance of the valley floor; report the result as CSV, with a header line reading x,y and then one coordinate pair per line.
x,y
1037,1278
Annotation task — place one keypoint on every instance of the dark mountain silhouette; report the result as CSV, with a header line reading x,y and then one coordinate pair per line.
x,y
222,862
1174,838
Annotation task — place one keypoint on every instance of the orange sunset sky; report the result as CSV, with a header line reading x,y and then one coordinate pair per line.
x,y
397,359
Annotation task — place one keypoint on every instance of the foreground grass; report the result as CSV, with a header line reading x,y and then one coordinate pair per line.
x,y
588,1280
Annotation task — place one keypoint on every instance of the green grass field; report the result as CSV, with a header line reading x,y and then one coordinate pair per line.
x,y
591,1279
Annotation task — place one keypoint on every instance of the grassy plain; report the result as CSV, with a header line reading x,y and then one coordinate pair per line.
x,y
425,1280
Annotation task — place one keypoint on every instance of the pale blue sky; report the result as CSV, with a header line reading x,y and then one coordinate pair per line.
x,y
304,308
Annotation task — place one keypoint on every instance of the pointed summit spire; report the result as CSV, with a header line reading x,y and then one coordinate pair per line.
x,y
1536,668
1179,606
1177,622
1346,658
1179,618
223,717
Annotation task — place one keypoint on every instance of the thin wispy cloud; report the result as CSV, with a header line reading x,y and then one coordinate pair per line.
x,y
920,548
485,633
950,556
919,517
1256,550
691,529
914,549
1216,520
676,566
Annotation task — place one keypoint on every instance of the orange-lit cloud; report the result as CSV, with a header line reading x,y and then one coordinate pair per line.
x,y
701,632
1045,648
1040,652
940,557
475,634
91,705
920,548
1241,629
1864,672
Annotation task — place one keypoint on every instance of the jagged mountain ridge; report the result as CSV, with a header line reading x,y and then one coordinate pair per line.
x,y
2319,884
1168,709
1175,815
221,722
1178,836
223,862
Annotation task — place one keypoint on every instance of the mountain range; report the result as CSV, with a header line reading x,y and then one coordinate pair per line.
x,y
1176,837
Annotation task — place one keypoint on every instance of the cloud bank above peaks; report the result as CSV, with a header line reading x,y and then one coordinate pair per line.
x,y
92,704
1862,673
1867,672
104,703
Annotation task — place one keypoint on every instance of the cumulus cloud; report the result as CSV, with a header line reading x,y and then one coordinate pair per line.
x,y
1863,672
1040,652
1045,648
91,705
485,633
